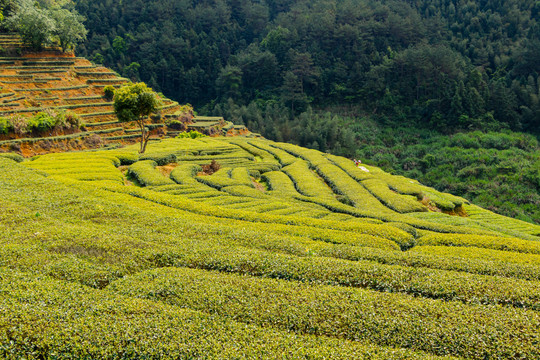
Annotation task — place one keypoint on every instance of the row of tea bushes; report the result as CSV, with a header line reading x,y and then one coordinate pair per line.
x,y
45,318
443,328
282,156
146,174
482,241
420,281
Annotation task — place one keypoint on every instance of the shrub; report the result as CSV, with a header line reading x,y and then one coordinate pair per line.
x,y
108,92
93,141
41,122
5,126
68,120
180,126
211,168
160,158
188,135
146,174
14,157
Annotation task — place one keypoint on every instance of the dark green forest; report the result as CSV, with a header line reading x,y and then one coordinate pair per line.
x,y
444,65
404,85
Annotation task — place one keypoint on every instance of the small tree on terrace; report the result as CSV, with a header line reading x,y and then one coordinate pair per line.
x,y
135,102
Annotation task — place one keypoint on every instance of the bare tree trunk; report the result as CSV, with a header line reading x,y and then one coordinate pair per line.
x,y
146,141
141,125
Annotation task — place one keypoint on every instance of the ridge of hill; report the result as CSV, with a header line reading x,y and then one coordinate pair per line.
x,y
55,81
283,252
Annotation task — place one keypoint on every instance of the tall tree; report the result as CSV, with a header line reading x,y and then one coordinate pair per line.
x,y
135,102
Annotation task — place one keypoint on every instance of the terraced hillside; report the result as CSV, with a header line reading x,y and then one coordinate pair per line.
x,y
283,252
54,81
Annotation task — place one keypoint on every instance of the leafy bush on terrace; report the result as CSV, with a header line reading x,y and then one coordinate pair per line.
x,y
45,121
191,135
5,126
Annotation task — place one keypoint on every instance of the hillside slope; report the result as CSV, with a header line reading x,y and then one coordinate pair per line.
x,y
52,81
283,252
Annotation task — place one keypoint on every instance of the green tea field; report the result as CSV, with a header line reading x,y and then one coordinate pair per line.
x,y
273,252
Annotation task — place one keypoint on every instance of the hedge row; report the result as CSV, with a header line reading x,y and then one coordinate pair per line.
x,y
241,176
387,319
18,82
345,185
478,223
50,138
12,156
482,241
145,173
38,69
93,97
14,99
279,183
50,71
393,200
283,157
220,179
115,80
91,73
104,123
161,159
65,88
53,63
531,262
103,113
120,137
85,105
185,174
45,318
244,191
262,154
18,76
477,213
105,85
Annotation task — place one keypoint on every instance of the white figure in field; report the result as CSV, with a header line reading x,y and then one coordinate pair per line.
x,y
357,164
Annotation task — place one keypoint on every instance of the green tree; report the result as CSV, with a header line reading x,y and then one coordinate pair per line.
x,y
135,102
132,70
119,44
292,92
229,82
34,25
69,28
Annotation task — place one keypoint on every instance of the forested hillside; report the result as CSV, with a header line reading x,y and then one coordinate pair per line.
x,y
441,64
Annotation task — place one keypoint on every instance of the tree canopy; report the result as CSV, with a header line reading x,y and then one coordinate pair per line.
x,y
445,64
44,23
34,25
69,28
135,102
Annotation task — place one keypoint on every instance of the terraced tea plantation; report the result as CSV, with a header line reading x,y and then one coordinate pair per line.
x,y
278,252
53,81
